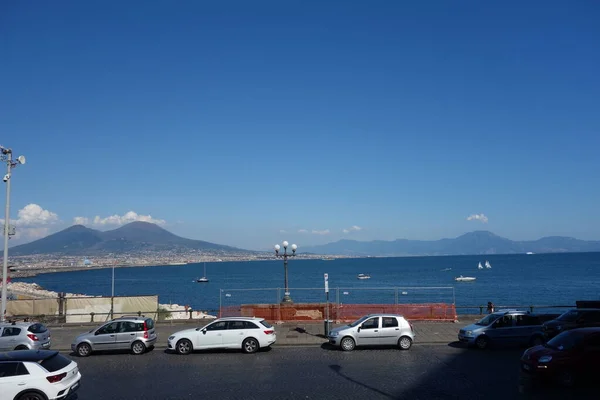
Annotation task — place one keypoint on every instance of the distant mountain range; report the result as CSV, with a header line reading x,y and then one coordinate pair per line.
x,y
130,238
478,242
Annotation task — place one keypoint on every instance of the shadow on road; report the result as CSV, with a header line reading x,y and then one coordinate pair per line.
x,y
338,370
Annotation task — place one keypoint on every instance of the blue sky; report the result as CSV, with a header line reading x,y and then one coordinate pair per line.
x,y
232,121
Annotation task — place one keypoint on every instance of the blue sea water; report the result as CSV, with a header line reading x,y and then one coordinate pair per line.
x,y
514,280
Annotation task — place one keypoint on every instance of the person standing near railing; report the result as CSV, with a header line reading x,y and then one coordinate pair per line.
x,y
490,307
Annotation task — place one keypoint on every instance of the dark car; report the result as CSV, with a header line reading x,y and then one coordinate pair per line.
x,y
572,319
567,358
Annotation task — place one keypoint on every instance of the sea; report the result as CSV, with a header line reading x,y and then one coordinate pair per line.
x,y
513,281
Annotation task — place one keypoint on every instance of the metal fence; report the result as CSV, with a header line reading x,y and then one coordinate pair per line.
x,y
342,304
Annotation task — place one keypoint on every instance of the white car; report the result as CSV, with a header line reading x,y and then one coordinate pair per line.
x,y
37,375
247,333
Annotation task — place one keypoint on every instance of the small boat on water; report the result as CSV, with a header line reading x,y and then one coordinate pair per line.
x,y
446,269
464,278
488,265
327,259
204,279
364,276
480,266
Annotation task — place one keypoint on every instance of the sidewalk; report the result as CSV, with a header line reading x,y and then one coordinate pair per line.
x,y
288,334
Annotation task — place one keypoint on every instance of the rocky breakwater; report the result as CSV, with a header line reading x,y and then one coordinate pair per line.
x,y
23,290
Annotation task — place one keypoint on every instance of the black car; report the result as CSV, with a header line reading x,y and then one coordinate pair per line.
x,y
575,318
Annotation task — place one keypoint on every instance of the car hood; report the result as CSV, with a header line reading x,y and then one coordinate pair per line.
x,y
340,329
536,352
186,332
472,327
83,336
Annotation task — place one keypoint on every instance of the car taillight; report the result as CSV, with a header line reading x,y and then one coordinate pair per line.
x,y
32,337
56,378
145,330
269,332
411,327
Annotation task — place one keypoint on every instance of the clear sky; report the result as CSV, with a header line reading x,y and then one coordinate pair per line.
x,y
232,121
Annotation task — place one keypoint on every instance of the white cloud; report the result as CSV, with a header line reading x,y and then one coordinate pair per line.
x,y
478,217
323,232
33,215
128,217
302,231
353,228
81,221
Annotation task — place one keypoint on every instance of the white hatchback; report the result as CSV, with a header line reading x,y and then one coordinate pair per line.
x,y
246,333
37,374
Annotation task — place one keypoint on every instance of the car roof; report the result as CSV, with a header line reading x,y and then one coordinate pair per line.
x,y
240,319
385,315
27,355
588,330
20,324
130,318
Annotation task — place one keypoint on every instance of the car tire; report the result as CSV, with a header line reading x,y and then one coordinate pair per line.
x,y
84,350
184,347
138,348
250,345
31,396
536,341
482,342
404,343
347,344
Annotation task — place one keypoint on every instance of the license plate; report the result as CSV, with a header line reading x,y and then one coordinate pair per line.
x,y
47,344
526,367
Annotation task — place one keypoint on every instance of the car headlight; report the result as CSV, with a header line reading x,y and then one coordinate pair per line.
x,y
171,337
545,359
333,334
469,333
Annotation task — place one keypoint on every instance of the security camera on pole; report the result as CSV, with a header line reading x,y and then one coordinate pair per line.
x,y
285,255
6,156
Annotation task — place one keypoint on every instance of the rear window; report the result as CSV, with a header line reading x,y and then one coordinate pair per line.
x,y
150,323
55,363
37,328
266,324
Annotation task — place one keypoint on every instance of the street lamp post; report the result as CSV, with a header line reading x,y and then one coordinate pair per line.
x,y
285,255
6,156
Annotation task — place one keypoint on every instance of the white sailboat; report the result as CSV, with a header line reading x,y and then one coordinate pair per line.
x,y
204,279
480,266
488,265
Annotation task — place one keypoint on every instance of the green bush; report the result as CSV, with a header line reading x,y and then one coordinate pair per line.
x,y
163,314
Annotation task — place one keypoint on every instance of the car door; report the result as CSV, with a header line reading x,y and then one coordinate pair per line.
x,y
126,334
501,330
236,332
10,337
590,354
105,337
3,341
525,327
13,378
390,331
211,336
368,335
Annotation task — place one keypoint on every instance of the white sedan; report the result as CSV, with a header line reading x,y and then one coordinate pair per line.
x,y
246,333
37,375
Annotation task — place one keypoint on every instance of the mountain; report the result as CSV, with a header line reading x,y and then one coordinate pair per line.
x,y
478,242
133,237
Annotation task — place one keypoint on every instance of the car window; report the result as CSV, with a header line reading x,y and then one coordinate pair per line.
x,y
149,323
266,324
217,326
488,319
113,327
504,322
128,326
37,328
236,325
8,369
11,331
389,322
526,320
371,323
55,363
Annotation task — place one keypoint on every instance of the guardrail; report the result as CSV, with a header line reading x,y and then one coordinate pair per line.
x,y
158,315
481,309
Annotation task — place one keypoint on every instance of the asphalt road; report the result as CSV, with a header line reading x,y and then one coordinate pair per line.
x,y
424,372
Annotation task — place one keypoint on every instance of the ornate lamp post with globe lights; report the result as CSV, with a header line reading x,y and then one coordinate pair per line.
x,y
285,255
6,156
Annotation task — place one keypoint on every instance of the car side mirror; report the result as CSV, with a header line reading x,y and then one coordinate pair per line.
x,y
97,333
358,329
204,331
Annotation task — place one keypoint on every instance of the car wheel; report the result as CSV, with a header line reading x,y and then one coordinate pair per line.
x,y
84,350
138,348
31,396
184,347
250,345
482,342
536,341
348,344
404,343
566,379
21,347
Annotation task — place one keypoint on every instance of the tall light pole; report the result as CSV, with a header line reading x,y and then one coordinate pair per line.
x,y
6,156
285,255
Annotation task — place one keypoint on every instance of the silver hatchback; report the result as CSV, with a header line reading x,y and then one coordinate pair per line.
x,y
374,330
23,336
136,334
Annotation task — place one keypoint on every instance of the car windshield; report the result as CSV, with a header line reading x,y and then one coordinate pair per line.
x,y
569,316
358,321
487,320
565,341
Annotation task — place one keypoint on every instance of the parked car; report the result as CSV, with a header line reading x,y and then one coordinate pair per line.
x,y
247,333
374,330
134,333
37,375
575,318
23,336
567,358
505,327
